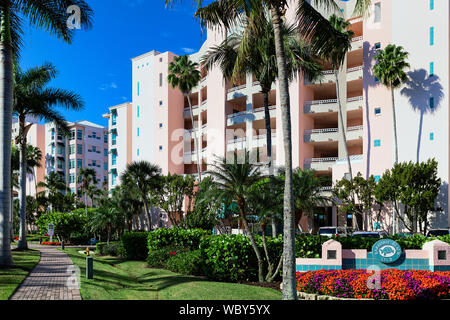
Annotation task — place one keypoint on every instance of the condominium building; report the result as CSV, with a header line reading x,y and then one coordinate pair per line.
x,y
36,138
229,117
87,147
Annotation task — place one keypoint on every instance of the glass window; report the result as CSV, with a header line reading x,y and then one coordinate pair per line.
x,y
431,102
114,141
105,152
79,134
138,132
72,163
138,87
114,118
72,134
138,111
138,152
114,179
377,12
431,4
377,143
114,159
105,166
377,178
60,150
160,79
431,36
79,163
72,149
431,136
79,149
377,45
431,69
105,138
377,111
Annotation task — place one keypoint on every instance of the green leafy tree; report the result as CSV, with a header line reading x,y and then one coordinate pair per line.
x,y
184,75
33,97
109,218
88,179
145,178
47,15
128,202
65,223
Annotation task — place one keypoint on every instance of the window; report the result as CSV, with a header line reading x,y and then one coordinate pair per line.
x,y
138,132
105,138
114,159
160,148
431,103
94,163
160,125
114,118
94,135
105,178
377,12
431,36
79,163
431,4
71,178
377,143
72,163
105,152
138,111
160,59
94,149
60,150
79,134
378,46
442,255
160,102
114,139
431,69
160,79
60,164
72,190
138,152
138,89
377,111
72,149
72,134
377,178
53,134
79,149
114,179
431,136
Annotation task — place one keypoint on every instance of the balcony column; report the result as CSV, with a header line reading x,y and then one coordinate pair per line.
x,y
343,99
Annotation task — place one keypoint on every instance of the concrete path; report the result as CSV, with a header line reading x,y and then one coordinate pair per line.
x,y
53,278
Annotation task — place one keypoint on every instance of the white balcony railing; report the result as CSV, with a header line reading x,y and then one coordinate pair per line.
x,y
237,114
354,69
357,39
328,188
237,140
321,160
264,137
326,101
237,88
326,130
355,128
360,98
262,109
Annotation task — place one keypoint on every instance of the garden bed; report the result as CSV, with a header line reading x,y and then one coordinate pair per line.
x,y
395,285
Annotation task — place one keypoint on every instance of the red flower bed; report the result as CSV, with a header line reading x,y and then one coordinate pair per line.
x,y
48,243
395,284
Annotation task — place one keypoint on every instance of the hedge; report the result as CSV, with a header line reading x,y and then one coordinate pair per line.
x,y
135,245
158,258
186,262
187,238
114,249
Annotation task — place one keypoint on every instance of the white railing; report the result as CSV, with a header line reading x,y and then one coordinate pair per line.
x,y
355,69
263,136
262,109
204,102
360,98
237,88
237,140
325,72
237,114
352,158
204,126
357,39
321,160
205,149
326,130
326,188
356,128
327,101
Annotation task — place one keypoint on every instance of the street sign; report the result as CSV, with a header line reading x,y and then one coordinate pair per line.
x,y
51,231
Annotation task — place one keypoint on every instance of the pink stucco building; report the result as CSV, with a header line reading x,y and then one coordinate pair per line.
x,y
229,117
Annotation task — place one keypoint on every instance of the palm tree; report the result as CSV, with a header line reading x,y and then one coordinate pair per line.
x,y
260,60
224,14
87,177
50,16
390,70
145,178
33,98
128,201
235,181
107,217
54,187
184,75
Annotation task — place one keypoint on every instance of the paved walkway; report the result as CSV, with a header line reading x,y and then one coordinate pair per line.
x,y
53,278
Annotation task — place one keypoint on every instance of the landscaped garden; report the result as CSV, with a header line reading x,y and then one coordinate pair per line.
x,y
11,278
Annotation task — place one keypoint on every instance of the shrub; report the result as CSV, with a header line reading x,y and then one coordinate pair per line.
x,y
113,249
187,238
79,238
158,258
135,245
229,258
188,262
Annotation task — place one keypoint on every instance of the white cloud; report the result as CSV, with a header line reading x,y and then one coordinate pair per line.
x,y
188,50
107,86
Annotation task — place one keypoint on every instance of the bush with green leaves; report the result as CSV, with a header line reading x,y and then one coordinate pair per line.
x,y
158,258
114,249
135,245
187,238
186,262
65,223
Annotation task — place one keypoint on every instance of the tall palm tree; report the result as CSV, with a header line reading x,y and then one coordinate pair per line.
x,y
390,70
54,187
260,60
33,97
144,177
224,14
235,181
87,177
184,75
50,16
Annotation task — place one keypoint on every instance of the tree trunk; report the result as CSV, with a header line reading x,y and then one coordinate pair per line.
x,y
22,245
269,152
6,104
394,123
194,132
147,212
289,291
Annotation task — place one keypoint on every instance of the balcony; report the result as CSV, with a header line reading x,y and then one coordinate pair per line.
x,y
321,106
320,164
261,140
357,43
355,103
256,114
237,144
355,73
355,133
321,135
187,113
326,77
236,92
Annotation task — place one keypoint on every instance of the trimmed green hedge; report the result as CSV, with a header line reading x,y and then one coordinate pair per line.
x,y
188,262
189,239
114,249
135,245
158,258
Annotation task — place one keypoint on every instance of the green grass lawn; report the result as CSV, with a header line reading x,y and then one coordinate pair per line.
x,y
115,279
11,278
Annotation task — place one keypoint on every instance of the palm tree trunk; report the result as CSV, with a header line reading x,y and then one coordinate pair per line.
x,y
22,245
6,104
269,152
147,212
394,122
344,138
195,139
289,291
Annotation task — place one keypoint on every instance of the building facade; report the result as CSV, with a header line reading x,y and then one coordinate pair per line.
x,y
229,116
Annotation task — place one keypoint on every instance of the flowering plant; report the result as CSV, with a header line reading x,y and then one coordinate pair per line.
x,y
172,254
53,243
395,284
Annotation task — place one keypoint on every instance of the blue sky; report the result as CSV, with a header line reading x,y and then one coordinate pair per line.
x,y
97,64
